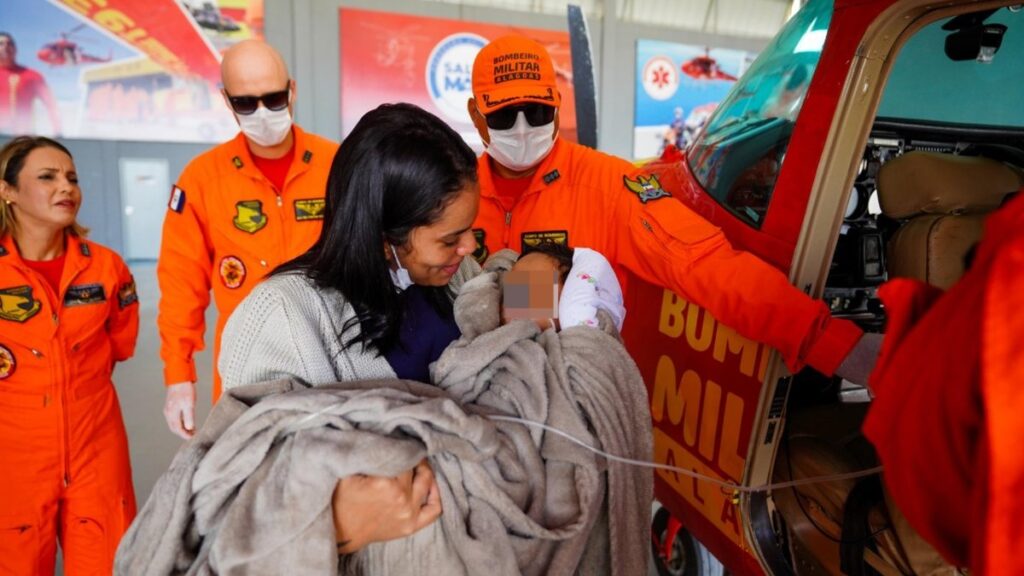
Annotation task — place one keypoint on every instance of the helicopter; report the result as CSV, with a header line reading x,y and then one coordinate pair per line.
x,y
66,52
208,15
705,68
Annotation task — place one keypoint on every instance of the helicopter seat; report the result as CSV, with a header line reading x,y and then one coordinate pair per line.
x,y
942,201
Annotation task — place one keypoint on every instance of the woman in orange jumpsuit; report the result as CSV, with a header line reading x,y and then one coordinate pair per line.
x,y
68,311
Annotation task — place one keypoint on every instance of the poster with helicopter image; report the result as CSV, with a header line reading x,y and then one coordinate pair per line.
x,y
119,69
678,86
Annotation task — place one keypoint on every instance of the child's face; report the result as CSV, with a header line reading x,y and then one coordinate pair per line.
x,y
531,289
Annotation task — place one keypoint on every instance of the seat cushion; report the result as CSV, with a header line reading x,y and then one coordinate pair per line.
x,y
932,248
933,183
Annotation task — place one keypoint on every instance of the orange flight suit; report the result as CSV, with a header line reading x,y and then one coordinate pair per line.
x,y
64,468
226,228
948,415
584,198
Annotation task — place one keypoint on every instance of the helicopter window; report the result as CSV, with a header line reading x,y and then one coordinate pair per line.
x,y
928,85
738,156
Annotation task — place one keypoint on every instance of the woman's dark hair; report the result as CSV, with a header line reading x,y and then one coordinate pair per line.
x,y
397,170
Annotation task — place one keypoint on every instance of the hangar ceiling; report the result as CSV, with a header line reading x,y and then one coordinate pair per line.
x,y
744,18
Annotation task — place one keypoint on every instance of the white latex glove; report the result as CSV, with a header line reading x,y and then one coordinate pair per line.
x,y
180,409
859,363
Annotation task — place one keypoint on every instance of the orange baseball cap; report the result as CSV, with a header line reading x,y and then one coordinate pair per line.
x,y
512,70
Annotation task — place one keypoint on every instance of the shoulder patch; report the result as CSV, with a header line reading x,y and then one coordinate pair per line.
x,y
307,156
309,209
249,216
232,272
177,201
531,240
551,176
82,294
17,304
645,187
126,295
7,362
481,253
237,162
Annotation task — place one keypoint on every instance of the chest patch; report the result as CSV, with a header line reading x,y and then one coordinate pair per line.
x,y
481,253
249,216
17,304
645,187
232,272
82,294
531,240
310,209
7,362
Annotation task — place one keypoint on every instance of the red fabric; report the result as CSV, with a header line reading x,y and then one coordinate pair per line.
x,y
276,169
64,461
507,191
947,418
50,270
581,195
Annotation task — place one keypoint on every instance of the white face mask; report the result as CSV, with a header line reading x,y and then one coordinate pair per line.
x,y
522,146
266,127
400,278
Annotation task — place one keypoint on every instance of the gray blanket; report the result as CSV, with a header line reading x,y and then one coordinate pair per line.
x,y
251,493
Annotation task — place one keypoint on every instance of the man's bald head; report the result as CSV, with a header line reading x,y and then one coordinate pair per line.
x,y
253,68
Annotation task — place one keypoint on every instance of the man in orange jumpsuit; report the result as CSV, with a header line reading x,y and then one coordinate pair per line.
x,y
20,87
68,312
236,213
535,187
948,414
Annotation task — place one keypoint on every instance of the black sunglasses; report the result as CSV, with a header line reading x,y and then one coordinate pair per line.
x,y
246,105
536,115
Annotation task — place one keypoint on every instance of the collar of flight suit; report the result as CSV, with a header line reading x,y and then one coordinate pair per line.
x,y
78,255
243,162
547,171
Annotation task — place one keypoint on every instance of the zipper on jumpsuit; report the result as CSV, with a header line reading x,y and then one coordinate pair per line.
x,y
508,228
63,378
65,388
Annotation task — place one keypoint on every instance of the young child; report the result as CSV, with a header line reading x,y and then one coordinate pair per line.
x,y
558,286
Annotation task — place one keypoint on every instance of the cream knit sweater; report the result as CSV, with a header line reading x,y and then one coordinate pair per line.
x,y
287,327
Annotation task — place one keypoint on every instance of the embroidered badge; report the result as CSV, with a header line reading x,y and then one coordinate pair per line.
x,y
310,209
232,272
7,362
237,162
177,201
551,176
126,295
84,249
17,304
307,156
249,216
530,240
646,188
481,253
84,294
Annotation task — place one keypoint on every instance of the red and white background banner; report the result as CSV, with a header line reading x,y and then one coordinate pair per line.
x,y
389,57
121,69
